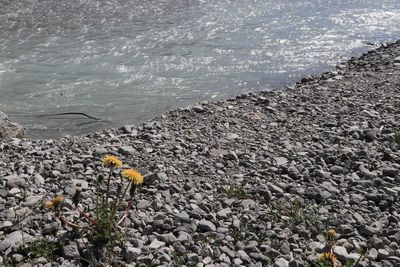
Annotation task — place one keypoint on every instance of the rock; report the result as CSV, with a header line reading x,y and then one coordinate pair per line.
x,y
281,262
167,238
206,226
243,256
370,134
127,150
391,172
131,254
368,230
14,181
10,129
281,161
71,251
372,254
224,213
340,252
32,201
38,179
156,244
383,254
13,239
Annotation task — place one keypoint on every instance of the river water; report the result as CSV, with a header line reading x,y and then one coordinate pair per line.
x,y
125,61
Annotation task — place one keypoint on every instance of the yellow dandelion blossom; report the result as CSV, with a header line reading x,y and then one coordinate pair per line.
x,y
49,204
133,175
111,161
327,257
58,200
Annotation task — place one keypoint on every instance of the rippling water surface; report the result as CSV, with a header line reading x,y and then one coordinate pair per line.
x,y
125,61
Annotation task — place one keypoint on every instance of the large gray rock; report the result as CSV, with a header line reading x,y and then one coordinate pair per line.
x,y
12,239
10,129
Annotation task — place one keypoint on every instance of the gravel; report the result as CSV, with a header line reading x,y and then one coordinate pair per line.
x,y
250,181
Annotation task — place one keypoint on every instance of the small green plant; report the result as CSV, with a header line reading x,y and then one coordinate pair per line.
x,y
102,224
294,213
233,191
43,248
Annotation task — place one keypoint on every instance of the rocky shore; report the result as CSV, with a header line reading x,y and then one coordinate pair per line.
x,y
251,181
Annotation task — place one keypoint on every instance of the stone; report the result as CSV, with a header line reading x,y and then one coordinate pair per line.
x,y
281,262
281,161
10,129
368,230
224,213
131,254
383,254
340,252
156,244
127,150
243,256
206,226
32,201
71,251
38,179
14,181
168,238
391,172
13,239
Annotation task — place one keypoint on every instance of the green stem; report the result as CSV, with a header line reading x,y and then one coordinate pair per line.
x,y
108,185
126,212
119,200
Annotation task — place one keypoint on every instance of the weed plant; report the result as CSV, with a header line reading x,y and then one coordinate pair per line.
x,y
102,225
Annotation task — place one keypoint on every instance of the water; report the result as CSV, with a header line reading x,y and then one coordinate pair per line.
x,y
124,61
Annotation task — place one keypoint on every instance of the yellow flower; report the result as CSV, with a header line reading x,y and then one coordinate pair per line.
x,y
58,200
133,175
49,204
111,161
327,257
55,202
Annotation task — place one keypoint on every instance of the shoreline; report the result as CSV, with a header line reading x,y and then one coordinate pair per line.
x,y
328,144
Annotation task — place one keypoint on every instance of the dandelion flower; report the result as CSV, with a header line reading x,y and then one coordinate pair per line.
x,y
55,202
133,175
327,257
112,161
49,204
58,200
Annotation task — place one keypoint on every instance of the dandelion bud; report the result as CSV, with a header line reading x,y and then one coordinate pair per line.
x,y
331,234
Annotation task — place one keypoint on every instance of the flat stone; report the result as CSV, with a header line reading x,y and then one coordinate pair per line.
x,y
224,213
281,161
206,226
32,201
127,150
156,244
368,230
167,238
13,239
281,262
143,204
